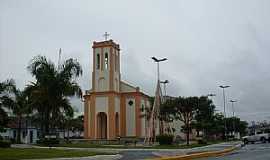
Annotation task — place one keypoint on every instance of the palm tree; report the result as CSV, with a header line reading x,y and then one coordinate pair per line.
x,y
6,89
53,86
19,107
15,100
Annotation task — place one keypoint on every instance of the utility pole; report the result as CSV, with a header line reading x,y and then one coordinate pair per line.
x,y
164,86
156,107
59,59
233,101
224,105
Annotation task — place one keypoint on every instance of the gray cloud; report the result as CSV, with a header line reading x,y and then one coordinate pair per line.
x,y
208,43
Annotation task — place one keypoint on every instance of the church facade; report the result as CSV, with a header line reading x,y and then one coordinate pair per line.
x,y
112,108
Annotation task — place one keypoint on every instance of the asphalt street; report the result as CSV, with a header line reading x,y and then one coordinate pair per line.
x,y
148,154
137,155
258,151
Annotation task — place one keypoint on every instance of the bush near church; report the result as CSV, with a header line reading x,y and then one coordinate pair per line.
x,y
165,139
201,141
4,144
48,141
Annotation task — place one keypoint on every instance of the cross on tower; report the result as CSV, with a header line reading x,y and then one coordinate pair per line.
x,y
106,35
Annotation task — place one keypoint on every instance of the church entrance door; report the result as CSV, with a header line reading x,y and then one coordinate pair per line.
x,y
102,125
117,124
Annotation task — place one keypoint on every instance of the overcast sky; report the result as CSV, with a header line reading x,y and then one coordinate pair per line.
x,y
208,43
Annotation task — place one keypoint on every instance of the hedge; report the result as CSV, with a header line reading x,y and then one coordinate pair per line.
x,y
165,139
4,144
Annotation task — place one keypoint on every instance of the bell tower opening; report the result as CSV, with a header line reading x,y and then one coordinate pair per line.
x,y
106,61
98,61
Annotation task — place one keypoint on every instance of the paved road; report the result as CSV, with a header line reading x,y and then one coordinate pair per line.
x,y
256,151
148,154
137,155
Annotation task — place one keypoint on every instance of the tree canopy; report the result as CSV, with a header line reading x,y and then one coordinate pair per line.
x,y
51,91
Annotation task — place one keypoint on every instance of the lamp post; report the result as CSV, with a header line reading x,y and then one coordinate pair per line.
x,y
155,111
224,105
164,85
233,101
157,61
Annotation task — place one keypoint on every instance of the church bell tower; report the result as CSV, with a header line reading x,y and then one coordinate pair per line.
x,y
111,111
106,66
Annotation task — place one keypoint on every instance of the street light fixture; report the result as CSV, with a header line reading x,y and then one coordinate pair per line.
x,y
233,101
224,105
164,85
157,61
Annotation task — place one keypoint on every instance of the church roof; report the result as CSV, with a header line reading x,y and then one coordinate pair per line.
x,y
126,87
108,43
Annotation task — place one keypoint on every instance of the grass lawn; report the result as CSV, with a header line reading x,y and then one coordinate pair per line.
x,y
33,153
88,145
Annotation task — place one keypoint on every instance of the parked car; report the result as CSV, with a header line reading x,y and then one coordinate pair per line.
x,y
259,136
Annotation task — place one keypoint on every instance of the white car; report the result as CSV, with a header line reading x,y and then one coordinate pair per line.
x,y
259,136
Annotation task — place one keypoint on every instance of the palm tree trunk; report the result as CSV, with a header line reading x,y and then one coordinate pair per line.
x,y
46,123
188,136
68,134
188,130
19,129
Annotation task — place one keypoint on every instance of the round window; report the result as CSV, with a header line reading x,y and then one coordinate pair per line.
x,y
130,102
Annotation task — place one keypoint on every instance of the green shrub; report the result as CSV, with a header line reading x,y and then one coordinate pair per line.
x,y
48,142
165,139
202,141
4,144
12,140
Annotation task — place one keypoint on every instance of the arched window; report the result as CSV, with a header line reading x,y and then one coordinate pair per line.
x,y
98,61
106,61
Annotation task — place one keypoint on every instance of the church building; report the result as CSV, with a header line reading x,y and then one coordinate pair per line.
x,y
112,108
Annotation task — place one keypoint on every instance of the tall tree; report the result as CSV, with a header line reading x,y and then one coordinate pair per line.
x,y
53,86
217,125
184,110
235,124
204,115
166,115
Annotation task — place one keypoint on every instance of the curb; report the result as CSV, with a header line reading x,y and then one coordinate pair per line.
x,y
96,157
202,154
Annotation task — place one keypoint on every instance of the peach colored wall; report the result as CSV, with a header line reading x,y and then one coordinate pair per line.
x,y
111,122
130,117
